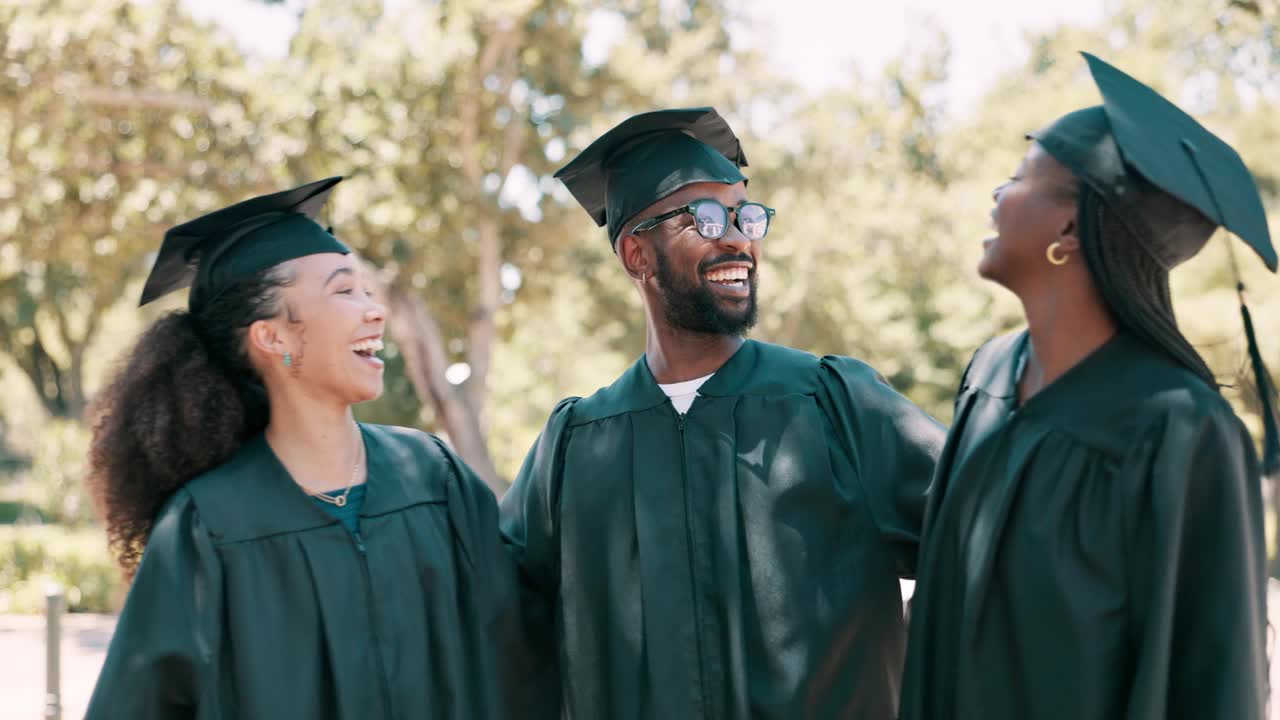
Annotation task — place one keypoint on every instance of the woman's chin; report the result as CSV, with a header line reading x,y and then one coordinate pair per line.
x,y
364,393
986,267
984,262
989,265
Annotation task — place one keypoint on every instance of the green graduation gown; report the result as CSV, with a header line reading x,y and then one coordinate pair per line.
x,y
251,602
1096,553
739,561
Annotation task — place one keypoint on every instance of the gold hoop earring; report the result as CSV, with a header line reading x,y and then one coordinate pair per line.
x,y
1053,258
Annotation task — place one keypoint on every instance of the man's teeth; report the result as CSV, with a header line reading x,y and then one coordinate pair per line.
x,y
367,346
728,274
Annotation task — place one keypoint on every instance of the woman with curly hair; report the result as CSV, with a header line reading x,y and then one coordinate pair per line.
x,y
1093,540
288,561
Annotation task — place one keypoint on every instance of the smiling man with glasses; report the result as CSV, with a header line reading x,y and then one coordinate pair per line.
x,y
720,532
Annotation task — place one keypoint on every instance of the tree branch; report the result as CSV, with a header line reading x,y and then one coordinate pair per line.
x,y
422,346
503,45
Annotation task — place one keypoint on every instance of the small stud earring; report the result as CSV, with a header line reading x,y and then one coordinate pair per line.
x,y
288,359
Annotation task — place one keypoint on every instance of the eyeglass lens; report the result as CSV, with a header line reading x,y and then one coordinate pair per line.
x,y
712,220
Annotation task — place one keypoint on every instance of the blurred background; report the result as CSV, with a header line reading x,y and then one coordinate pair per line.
x,y
877,129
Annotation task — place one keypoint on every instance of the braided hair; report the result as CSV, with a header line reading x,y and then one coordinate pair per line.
x,y
1129,252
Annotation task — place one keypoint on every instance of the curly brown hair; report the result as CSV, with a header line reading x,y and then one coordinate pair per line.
x,y
184,400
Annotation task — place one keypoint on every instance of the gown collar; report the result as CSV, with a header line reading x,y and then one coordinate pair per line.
x,y
1107,382
252,495
637,390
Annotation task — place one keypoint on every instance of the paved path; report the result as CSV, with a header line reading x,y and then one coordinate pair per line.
x,y
22,659
85,638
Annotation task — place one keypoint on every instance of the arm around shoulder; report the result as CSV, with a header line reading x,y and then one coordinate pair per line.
x,y
892,444
528,515
530,508
510,670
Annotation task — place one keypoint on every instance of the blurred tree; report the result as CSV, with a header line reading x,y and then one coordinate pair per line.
x,y
449,117
57,487
450,126
116,119
867,260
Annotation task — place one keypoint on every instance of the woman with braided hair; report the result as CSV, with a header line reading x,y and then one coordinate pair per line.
x,y
1093,540
287,561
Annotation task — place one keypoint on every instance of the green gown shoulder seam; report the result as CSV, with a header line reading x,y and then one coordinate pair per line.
x,y
634,390
181,501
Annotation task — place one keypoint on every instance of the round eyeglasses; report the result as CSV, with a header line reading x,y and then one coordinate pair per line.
x,y
712,219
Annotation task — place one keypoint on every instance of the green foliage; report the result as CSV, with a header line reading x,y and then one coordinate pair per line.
x,y
869,259
449,128
32,556
449,117
19,511
117,118
56,486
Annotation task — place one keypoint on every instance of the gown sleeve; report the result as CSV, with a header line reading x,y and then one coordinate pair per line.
x,y
893,447
519,688
1198,568
162,661
529,515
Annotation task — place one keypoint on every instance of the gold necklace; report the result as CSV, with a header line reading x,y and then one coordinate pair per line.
x,y
341,500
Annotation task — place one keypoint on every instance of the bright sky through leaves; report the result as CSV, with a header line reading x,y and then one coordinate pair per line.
x,y
814,41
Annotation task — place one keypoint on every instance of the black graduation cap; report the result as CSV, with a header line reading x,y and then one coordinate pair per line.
x,y
1164,146
649,156
1137,136
214,251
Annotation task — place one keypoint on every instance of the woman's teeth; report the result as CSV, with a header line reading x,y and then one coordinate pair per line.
x,y
367,347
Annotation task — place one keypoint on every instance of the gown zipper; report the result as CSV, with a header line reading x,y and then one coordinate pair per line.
x,y
693,575
373,622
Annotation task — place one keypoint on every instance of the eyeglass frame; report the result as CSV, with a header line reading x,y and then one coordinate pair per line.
x,y
690,208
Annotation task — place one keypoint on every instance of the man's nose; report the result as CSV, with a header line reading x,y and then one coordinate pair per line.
x,y
733,239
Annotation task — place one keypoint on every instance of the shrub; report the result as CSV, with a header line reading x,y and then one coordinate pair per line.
x,y
56,483
18,511
32,556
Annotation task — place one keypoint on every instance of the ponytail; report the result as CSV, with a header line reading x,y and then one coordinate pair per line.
x,y
184,400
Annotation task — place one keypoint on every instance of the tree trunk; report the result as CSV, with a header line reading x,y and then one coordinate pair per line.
x,y
1274,484
77,399
499,54
422,346
48,380
481,329
461,410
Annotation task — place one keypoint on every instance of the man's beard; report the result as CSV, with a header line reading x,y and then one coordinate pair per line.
x,y
693,307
